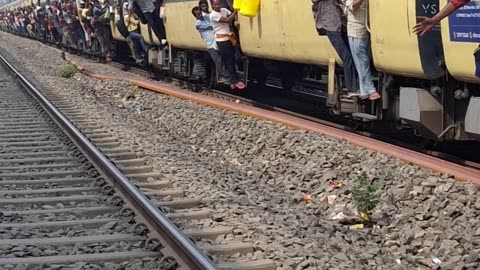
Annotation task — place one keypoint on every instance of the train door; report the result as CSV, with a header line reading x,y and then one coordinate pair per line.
x,y
430,44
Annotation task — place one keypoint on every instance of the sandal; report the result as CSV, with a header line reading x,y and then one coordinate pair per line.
x,y
222,80
353,94
240,85
374,96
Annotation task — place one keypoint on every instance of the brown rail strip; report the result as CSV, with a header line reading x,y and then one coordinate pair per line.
x,y
459,172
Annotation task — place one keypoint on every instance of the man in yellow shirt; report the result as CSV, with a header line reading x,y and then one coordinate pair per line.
x,y
133,31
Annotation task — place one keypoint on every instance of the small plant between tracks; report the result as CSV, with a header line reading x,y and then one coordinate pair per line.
x,y
67,71
365,196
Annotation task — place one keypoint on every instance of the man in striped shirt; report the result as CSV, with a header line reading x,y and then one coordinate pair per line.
x,y
329,21
359,40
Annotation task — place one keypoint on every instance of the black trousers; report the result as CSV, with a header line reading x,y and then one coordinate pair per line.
x,y
340,43
154,21
227,53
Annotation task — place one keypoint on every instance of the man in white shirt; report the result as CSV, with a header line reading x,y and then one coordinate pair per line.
x,y
359,40
205,28
220,18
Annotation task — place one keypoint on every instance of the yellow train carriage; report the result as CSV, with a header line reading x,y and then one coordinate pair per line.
x,y
285,31
459,48
180,25
396,49
394,46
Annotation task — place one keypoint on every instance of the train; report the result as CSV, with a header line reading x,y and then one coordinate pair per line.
x,y
427,83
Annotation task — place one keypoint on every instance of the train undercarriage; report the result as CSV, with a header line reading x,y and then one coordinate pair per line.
x,y
437,110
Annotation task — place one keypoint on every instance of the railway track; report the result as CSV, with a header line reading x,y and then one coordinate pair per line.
x,y
53,210
74,203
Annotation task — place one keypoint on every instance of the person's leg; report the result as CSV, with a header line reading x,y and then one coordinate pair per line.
x,y
343,50
160,25
219,67
227,53
142,47
140,50
101,41
29,28
359,47
133,48
156,24
106,39
80,32
56,34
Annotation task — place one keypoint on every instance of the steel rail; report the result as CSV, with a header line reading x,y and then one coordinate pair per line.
x,y
190,256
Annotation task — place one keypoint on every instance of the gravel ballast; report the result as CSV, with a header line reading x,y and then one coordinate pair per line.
x,y
254,175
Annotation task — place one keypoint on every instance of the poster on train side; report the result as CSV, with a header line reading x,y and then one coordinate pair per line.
x,y
465,23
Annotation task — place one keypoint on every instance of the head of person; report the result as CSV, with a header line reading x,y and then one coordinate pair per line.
x,y
203,4
216,5
197,13
97,13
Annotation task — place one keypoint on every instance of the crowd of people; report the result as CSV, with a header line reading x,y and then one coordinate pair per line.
x,y
63,23
86,26
344,22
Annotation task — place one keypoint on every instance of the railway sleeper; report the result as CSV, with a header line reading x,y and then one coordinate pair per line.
x,y
90,258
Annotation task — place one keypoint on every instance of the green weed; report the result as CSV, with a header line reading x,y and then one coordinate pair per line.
x,y
67,71
365,195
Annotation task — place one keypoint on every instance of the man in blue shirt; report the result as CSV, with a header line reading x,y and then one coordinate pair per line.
x,y
205,28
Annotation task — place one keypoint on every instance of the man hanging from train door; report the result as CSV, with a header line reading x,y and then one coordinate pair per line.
x,y
329,21
226,41
146,12
205,28
426,24
359,40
